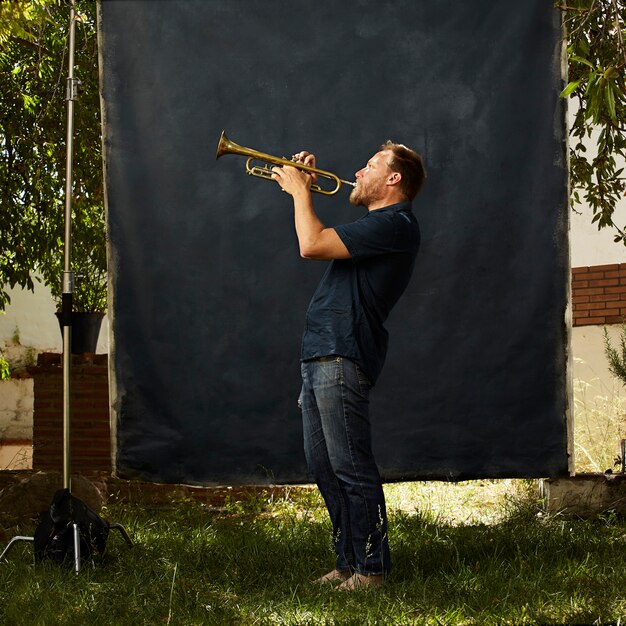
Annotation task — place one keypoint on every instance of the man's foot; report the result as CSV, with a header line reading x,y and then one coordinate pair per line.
x,y
333,577
359,581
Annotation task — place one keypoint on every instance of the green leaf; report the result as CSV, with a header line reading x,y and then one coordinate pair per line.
x,y
579,59
610,102
571,87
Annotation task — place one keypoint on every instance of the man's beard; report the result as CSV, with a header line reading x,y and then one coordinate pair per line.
x,y
356,197
364,196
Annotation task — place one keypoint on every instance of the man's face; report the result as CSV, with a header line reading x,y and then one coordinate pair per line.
x,y
371,180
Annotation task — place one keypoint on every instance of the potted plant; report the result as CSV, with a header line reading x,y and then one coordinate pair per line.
x,y
88,263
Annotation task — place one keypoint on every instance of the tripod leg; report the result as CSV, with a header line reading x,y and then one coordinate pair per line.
x,y
123,533
76,548
13,542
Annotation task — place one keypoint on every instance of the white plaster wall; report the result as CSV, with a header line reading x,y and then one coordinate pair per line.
x,y
16,409
590,246
33,315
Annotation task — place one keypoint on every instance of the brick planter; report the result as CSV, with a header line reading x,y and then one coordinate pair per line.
x,y
90,431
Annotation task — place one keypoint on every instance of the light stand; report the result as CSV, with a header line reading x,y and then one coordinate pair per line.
x,y
71,94
67,295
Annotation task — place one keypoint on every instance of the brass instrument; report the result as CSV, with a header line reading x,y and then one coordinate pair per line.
x,y
226,146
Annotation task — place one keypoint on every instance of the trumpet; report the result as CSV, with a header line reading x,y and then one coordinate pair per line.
x,y
226,146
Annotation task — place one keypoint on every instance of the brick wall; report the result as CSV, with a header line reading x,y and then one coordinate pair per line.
x,y
90,434
599,294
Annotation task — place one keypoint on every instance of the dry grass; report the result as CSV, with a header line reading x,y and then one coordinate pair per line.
x,y
599,424
462,503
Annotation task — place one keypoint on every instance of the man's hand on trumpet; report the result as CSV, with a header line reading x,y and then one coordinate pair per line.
x,y
294,180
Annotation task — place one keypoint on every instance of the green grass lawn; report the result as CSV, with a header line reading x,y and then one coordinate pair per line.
x,y
473,553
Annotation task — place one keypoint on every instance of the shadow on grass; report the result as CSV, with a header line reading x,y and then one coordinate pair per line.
x,y
253,565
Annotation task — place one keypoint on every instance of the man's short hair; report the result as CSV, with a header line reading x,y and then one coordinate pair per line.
x,y
409,165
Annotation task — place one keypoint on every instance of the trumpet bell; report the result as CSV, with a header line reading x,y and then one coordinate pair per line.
x,y
226,146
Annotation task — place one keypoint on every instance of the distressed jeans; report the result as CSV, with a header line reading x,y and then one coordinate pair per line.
x,y
337,444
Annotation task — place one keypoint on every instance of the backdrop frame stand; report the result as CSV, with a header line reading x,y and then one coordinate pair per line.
x,y
71,95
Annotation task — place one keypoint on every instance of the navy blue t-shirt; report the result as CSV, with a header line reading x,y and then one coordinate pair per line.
x,y
355,295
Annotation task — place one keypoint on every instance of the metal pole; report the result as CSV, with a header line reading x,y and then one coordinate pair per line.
x,y
68,275
76,535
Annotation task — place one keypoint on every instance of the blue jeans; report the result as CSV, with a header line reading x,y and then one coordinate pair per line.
x,y
337,444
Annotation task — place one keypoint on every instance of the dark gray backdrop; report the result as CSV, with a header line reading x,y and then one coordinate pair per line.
x,y
209,292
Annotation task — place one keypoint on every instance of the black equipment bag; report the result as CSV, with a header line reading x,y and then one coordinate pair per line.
x,y
54,536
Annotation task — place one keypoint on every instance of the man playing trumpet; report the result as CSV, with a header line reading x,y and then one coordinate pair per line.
x,y
345,343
